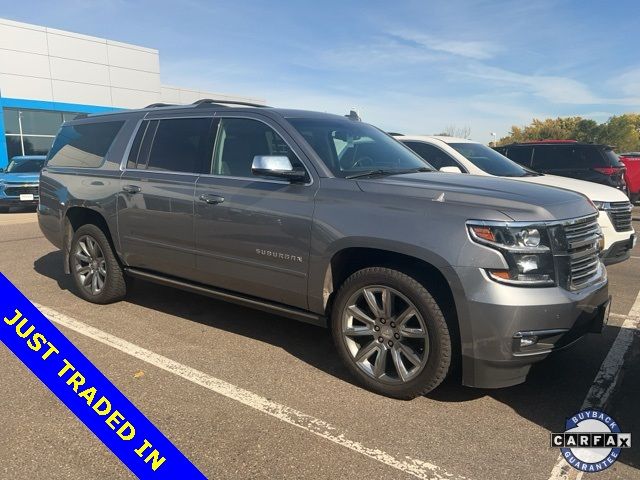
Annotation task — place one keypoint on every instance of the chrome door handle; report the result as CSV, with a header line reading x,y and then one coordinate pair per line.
x,y
131,188
211,199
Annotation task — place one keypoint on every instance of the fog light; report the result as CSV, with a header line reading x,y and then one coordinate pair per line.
x,y
528,263
528,341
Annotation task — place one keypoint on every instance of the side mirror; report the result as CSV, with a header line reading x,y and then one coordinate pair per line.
x,y
450,169
277,166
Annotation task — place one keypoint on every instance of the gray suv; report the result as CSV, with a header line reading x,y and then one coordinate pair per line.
x,y
330,221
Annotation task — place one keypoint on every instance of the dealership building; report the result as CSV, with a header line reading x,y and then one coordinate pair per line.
x,y
48,76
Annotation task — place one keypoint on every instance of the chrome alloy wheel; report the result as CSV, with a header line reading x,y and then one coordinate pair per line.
x,y
385,334
90,265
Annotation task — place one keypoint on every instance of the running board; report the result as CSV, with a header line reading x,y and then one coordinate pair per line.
x,y
238,299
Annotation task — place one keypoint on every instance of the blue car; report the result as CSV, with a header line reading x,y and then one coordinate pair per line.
x,y
19,182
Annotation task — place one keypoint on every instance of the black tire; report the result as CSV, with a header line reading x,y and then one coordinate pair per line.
x,y
114,285
438,357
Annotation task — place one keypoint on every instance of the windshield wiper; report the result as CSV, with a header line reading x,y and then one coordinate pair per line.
x,y
381,171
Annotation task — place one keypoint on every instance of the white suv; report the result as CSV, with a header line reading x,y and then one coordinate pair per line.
x,y
459,155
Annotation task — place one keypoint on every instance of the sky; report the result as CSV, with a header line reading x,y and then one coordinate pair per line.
x,y
414,67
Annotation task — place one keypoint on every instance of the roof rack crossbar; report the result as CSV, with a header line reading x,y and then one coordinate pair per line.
x,y
224,103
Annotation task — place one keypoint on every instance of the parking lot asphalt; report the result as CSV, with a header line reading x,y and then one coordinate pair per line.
x,y
287,369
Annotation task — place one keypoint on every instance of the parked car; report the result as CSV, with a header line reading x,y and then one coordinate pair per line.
x,y
631,161
19,182
330,221
569,158
462,155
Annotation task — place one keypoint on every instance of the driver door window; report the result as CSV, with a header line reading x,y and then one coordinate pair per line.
x,y
241,139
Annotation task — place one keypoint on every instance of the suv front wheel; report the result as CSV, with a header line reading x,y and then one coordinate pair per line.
x,y
391,333
98,276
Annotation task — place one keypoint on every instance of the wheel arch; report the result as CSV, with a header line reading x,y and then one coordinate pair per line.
x,y
74,218
429,269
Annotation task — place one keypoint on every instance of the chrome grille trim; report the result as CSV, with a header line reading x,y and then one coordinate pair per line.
x,y
582,237
620,215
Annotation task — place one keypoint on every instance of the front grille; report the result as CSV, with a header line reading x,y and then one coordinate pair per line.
x,y
17,191
620,215
582,237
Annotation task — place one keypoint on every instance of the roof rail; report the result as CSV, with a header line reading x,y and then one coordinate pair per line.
x,y
160,104
395,134
80,115
224,103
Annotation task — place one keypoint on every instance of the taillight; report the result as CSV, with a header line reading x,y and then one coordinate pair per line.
x,y
609,170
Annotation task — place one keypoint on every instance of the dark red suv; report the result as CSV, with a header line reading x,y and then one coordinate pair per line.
x,y
569,158
631,160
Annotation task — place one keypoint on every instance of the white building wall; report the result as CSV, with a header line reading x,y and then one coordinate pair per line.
x,y
40,63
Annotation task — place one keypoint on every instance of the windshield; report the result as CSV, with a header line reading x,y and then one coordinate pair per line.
x,y
490,161
32,165
349,147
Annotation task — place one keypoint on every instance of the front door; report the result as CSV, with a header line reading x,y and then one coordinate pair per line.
x,y
253,233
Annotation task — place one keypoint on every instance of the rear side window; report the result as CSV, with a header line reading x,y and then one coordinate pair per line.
x,y
83,145
521,155
569,156
181,145
433,155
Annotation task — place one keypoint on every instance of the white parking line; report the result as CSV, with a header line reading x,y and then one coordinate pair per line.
x,y
605,382
417,468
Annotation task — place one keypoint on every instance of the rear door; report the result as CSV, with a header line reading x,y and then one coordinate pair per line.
x,y
253,233
156,202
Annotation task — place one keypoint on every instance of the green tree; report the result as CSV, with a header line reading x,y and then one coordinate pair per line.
x,y
620,131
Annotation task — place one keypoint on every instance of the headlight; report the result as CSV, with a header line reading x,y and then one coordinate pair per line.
x,y
601,205
526,249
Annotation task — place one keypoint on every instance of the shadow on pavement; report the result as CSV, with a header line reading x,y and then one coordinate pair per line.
x,y
555,388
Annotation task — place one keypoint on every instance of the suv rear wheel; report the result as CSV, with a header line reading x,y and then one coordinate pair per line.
x,y
97,274
391,333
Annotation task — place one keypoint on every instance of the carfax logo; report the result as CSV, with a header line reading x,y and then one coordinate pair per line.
x,y
592,441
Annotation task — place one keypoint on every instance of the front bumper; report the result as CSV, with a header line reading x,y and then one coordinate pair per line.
x,y
619,251
16,202
496,317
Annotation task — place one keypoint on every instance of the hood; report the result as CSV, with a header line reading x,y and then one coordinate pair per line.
x,y
594,191
518,200
33,177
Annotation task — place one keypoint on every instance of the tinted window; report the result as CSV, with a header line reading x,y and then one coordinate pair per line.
x,y
40,122
25,166
36,145
432,154
181,145
83,145
347,147
11,124
135,146
490,161
550,157
241,139
521,155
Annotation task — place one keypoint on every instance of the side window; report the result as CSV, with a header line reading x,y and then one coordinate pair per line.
x,y
550,157
521,155
433,155
135,146
83,145
241,139
181,145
